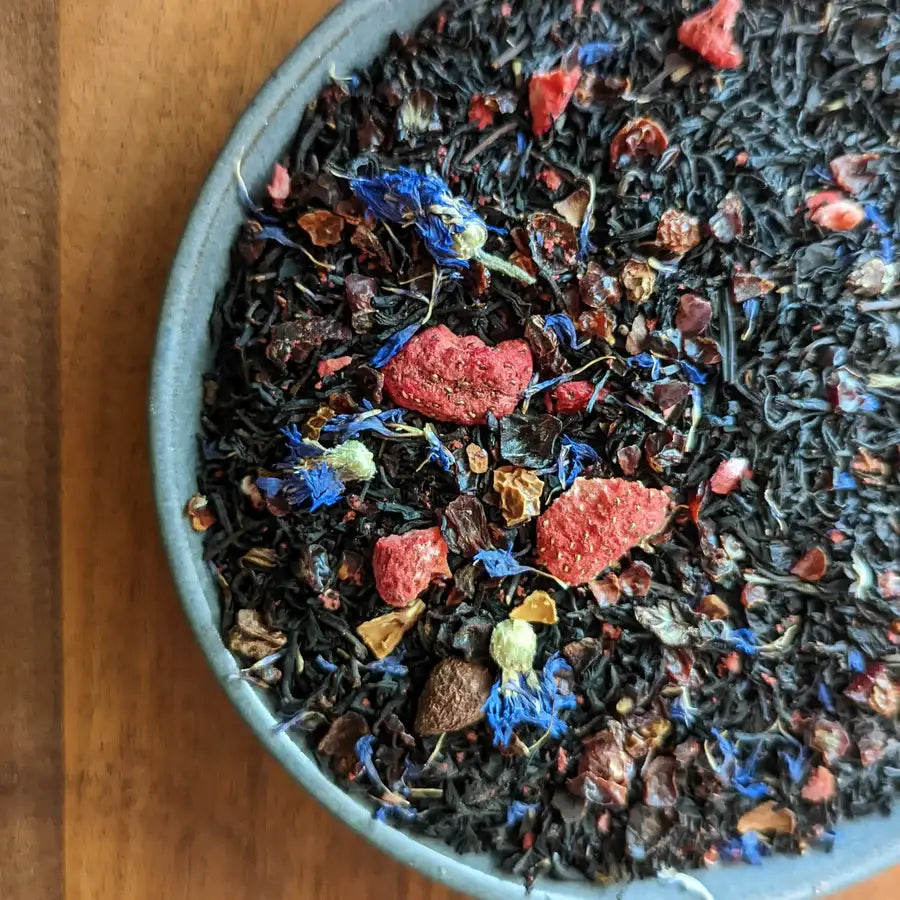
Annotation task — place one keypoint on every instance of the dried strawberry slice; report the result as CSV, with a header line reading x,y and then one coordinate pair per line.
x,y
404,564
549,94
709,33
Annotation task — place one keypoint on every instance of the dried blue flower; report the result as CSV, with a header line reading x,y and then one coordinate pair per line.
x,y
646,361
825,697
270,485
531,701
365,751
500,563
298,447
450,228
518,810
595,396
873,214
400,810
320,485
822,174
390,665
746,847
794,765
274,233
844,481
595,51
887,250
572,457
325,665
693,373
585,246
562,326
682,711
855,660
742,639
437,452
739,774
375,420
393,345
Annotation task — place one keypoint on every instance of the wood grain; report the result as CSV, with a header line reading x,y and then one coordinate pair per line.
x,y
167,794
30,732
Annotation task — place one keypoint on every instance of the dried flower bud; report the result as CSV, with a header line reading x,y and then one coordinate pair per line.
x,y
638,279
382,634
323,227
767,819
199,514
453,697
352,460
538,607
250,637
520,494
678,232
418,113
513,647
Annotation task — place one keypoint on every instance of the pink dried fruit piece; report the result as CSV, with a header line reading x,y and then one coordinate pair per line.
x,y
594,523
729,474
549,94
574,396
694,315
709,33
812,566
458,379
820,787
833,211
638,139
851,171
405,564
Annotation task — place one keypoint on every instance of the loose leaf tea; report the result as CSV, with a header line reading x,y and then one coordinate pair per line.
x,y
549,452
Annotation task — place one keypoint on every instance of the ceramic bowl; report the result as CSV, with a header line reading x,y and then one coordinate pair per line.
x,y
348,39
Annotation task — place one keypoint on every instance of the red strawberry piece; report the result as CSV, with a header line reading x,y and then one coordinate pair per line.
x,y
820,786
812,566
594,523
326,367
833,211
549,94
482,111
709,33
729,475
851,171
280,187
551,179
458,379
405,564
574,396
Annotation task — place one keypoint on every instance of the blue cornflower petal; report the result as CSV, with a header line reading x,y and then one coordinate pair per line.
x,y
682,711
517,811
407,813
322,485
844,482
887,250
270,485
742,639
298,446
755,790
365,751
353,424
595,51
693,373
794,765
572,457
873,214
390,665
824,695
424,201
500,563
325,665
821,173
855,660
870,403
561,325
437,452
752,849
393,345
274,233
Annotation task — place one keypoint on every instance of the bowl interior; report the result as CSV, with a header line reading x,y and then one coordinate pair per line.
x,y
348,39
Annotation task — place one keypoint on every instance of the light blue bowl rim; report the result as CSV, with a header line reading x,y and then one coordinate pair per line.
x,y
863,847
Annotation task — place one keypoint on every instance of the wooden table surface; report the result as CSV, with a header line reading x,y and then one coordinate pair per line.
x,y
124,772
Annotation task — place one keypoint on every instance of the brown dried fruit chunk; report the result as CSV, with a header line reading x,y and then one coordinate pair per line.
x,y
874,688
478,459
639,280
323,227
830,739
342,735
678,232
453,697
597,288
745,286
635,580
520,494
638,139
728,222
713,606
538,607
660,790
250,637
360,292
199,514
870,278
606,766
465,526
598,323
293,341
767,819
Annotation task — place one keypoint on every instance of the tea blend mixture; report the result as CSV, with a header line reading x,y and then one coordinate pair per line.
x,y
549,455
